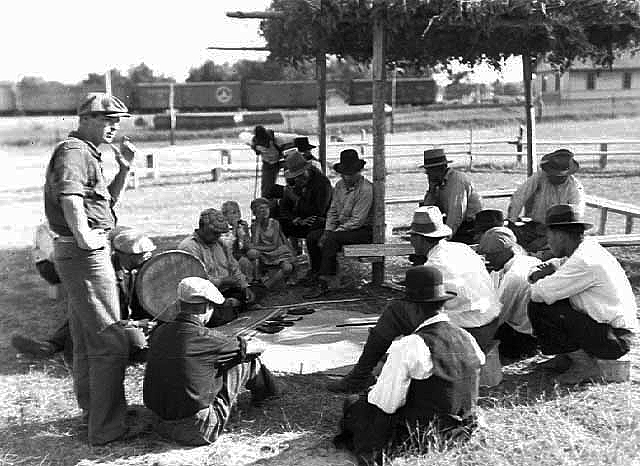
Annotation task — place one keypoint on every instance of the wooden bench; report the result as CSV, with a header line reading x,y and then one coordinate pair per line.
x,y
373,251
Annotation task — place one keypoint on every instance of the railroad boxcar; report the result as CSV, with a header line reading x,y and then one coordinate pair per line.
x,y
219,95
260,95
414,91
7,99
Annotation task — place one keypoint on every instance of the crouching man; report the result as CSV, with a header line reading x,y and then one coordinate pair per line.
x,y
430,379
582,306
194,374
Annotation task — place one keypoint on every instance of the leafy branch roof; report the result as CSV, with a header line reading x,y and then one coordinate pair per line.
x,y
427,32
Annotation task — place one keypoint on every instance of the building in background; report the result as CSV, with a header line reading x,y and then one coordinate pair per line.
x,y
584,81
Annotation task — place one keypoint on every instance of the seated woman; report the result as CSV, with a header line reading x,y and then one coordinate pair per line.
x,y
269,247
238,237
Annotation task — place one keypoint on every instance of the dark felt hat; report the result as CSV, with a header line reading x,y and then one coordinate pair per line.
x,y
434,158
427,221
565,215
424,284
350,162
559,163
302,144
488,218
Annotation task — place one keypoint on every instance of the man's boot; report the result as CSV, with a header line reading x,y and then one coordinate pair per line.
x,y
584,368
33,347
360,376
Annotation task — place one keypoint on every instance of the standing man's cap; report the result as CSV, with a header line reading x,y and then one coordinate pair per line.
x,y
434,158
497,239
103,103
132,242
559,163
295,165
214,220
565,215
196,290
350,163
427,221
424,284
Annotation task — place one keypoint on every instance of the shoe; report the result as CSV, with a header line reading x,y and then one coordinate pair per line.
x,y
351,384
559,363
584,368
33,347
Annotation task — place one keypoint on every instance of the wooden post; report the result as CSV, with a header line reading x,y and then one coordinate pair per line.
x,y
172,115
379,88
107,82
321,75
152,165
519,147
602,227
527,71
394,97
628,225
363,138
470,147
602,161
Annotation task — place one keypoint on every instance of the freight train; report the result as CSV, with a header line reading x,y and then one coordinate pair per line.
x,y
60,99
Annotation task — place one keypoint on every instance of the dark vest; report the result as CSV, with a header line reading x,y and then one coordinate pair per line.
x,y
449,395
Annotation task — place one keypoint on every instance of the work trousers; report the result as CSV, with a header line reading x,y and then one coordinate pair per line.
x,y
562,329
396,321
100,345
206,425
269,176
324,259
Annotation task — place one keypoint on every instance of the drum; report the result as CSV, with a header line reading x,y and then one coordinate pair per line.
x,y
158,279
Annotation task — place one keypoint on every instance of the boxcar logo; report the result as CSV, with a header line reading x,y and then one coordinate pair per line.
x,y
224,94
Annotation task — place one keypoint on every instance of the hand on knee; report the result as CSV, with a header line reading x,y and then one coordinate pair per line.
x,y
286,267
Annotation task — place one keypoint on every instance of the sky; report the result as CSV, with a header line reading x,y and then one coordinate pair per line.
x,y
67,39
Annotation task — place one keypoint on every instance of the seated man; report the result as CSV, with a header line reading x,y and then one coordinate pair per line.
x,y
304,205
582,306
222,269
510,267
194,374
553,184
131,249
453,193
430,378
475,308
349,221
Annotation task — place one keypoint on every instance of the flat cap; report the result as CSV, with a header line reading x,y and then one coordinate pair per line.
x,y
196,290
132,242
497,239
101,102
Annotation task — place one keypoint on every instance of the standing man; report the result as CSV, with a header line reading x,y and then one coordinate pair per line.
x,y
553,184
453,193
271,148
510,267
79,208
582,306
194,374
306,198
349,221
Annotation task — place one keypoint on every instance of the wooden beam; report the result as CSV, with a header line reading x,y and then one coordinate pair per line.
x,y
527,71
256,14
379,129
260,49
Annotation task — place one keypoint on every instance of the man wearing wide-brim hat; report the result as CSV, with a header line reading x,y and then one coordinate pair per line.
x,y
453,193
349,221
554,183
306,198
194,374
223,270
430,377
582,304
475,307
79,206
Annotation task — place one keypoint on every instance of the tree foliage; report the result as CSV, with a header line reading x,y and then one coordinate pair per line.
x,y
429,32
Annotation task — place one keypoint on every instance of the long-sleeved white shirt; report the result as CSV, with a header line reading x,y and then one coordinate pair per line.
x,y
512,284
595,283
409,358
537,194
464,272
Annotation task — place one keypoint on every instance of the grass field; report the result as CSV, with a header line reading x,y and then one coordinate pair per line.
x,y
528,420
